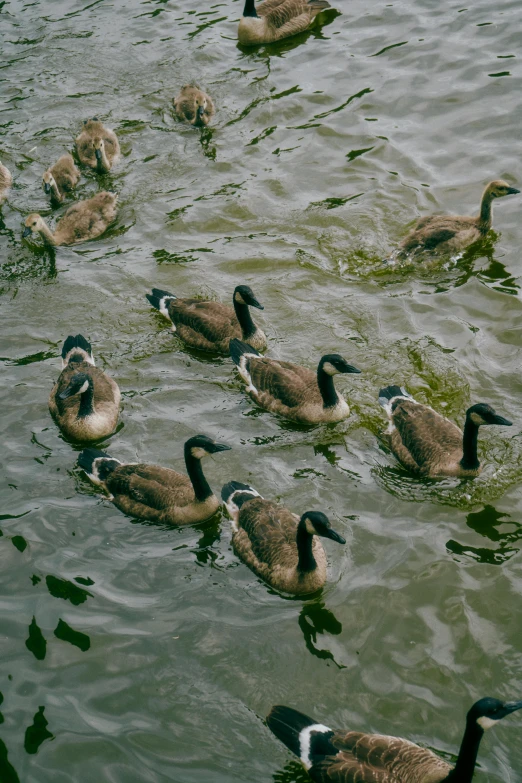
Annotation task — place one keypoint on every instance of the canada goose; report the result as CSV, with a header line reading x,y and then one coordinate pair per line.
x,y
152,492
63,176
85,402
97,146
451,233
427,443
272,20
194,106
340,756
83,221
293,391
6,181
207,325
278,546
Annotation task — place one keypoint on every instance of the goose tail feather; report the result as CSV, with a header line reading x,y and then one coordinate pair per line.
x,y
389,394
161,300
309,740
97,464
234,494
76,349
239,349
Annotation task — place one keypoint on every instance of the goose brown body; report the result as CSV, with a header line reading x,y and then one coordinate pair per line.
x,y
97,146
194,106
452,233
83,221
6,181
272,20
209,326
61,178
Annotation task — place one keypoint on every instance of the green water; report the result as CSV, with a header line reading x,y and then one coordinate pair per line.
x,y
133,652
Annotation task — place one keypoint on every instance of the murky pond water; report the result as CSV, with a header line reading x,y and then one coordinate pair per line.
x,y
133,652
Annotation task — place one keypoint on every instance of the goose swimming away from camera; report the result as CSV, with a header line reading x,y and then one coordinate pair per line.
x,y
453,233
83,221
61,178
272,20
344,756
84,402
208,325
97,146
279,547
6,181
290,390
152,492
429,444
194,106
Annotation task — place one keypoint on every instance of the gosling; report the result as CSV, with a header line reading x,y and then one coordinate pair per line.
x,y
61,178
83,221
6,181
194,106
97,146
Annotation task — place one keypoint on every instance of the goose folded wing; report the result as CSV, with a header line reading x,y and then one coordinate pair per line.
x,y
284,381
213,320
290,11
151,485
427,435
270,528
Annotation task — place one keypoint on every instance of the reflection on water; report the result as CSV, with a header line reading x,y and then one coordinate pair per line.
x,y
293,772
315,619
488,523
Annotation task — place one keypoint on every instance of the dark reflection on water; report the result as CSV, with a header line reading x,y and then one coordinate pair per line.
x,y
487,523
315,619
293,772
37,732
7,770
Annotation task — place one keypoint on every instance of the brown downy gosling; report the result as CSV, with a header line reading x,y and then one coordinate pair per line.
x,y
97,146
272,20
151,492
453,233
429,444
83,221
290,390
279,547
345,756
85,402
6,180
61,178
194,106
208,325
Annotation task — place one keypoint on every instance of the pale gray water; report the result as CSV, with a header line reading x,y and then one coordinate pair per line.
x,y
324,150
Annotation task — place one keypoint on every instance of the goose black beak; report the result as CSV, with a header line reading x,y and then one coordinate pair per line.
x,y
255,303
47,187
68,392
333,536
26,232
98,155
502,420
200,112
512,191
221,447
351,368
512,706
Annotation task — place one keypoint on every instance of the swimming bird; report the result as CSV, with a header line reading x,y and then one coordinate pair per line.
x,y
97,146
194,106
6,180
152,492
429,444
84,402
452,233
208,325
279,547
293,391
272,20
344,756
83,221
61,178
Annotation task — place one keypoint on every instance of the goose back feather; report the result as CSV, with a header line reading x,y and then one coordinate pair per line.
x,y
273,20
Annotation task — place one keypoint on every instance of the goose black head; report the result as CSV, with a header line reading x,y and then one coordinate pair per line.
x,y
486,712
317,524
200,446
78,385
499,188
334,363
482,413
33,223
244,295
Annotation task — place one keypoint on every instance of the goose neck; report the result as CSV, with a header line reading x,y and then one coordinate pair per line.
x,y
55,192
304,541
485,217
467,758
87,400
326,385
470,458
199,483
47,234
250,9
248,327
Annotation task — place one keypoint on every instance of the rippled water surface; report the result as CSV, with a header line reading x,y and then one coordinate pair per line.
x,y
134,652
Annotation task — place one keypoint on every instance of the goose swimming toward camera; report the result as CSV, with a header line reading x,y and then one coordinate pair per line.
x,y
278,546
207,325
340,756
452,233
83,221
293,391
194,106
152,492
61,178
97,146
6,181
85,402
430,445
272,20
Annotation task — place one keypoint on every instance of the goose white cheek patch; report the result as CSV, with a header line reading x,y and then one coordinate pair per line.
x,y
486,723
